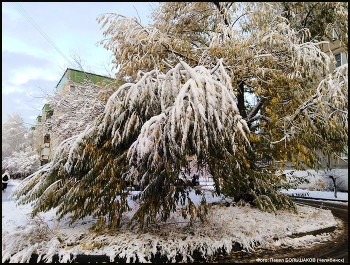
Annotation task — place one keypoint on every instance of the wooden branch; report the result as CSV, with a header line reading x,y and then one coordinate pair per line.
x,y
308,14
258,117
256,109
217,4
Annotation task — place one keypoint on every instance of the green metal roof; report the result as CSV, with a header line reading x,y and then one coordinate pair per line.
x,y
47,107
80,77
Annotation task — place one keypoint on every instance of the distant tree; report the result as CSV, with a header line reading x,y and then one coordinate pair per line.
x,y
191,73
18,155
321,18
22,163
13,135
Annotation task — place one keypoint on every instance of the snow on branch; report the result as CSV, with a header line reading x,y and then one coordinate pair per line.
x,y
144,136
203,113
328,105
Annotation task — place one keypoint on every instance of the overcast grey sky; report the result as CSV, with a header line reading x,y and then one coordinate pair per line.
x,y
31,66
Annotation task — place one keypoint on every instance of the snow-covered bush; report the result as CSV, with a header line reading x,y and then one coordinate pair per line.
x,y
35,237
226,230
13,135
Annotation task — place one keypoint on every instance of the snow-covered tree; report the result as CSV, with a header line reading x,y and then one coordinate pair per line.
x,y
22,163
269,53
321,18
18,155
74,111
191,72
145,135
13,132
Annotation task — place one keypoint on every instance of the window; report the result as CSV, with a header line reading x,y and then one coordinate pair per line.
x,y
341,59
335,35
49,125
49,114
338,59
47,138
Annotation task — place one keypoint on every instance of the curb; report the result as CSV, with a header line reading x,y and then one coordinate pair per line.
x,y
315,232
320,199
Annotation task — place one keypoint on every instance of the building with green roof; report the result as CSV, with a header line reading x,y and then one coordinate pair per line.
x,y
44,139
73,76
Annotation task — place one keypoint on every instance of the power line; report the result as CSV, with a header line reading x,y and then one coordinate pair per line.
x,y
42,32
37,27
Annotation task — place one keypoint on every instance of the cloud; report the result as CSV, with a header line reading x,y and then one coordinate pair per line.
x,y
28,82
31,74
21,69
9,12
22,78
16,61
31,67
21,103
10,89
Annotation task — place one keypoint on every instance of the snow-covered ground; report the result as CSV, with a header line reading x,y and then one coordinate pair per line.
x,y
251,228
319,180
320,185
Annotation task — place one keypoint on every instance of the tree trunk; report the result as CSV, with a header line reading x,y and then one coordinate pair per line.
x,y
240,99
334,185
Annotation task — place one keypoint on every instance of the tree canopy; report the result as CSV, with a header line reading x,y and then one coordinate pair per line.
x,y
231,84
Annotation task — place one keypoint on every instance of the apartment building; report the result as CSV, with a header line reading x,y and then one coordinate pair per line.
x,y
45,140
336,48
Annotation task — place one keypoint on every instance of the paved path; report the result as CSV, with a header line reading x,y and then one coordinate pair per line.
x,y
7,194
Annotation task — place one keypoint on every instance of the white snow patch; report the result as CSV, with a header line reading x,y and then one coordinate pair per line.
x,y
316,194
319,180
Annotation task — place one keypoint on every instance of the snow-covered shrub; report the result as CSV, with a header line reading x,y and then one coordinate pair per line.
x,y
13,135
35,237
18,155
226,228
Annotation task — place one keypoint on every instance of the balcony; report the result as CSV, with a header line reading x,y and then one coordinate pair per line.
x,y
45,152
44,157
